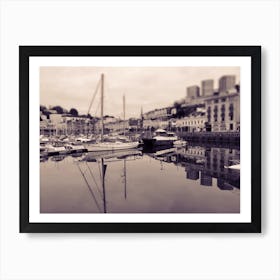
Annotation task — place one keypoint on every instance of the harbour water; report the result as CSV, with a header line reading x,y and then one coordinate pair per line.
x,y
192,179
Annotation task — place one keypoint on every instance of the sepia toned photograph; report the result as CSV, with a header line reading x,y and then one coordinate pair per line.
x,y
140,139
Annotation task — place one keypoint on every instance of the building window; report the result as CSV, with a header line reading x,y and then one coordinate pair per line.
x,y
216,101
231,126
231,109
223,99
209,114
223,113
216,113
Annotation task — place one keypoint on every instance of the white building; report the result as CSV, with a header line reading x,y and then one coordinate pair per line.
x,y
223,111
155,124
193,123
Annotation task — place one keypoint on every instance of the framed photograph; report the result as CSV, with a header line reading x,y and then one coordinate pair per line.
x,y
140,138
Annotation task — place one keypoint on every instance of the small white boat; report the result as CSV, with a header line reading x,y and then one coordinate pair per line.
x,y
75,148
83,140
55,149
44,140
110,146
179,143
65,140
42,148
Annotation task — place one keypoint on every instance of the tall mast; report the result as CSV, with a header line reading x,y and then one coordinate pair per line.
x,y
124,115
102,104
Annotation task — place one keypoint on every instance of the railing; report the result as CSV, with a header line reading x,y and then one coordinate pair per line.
x,y
211,136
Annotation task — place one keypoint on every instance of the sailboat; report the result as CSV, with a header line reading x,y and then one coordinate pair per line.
x,y
109,146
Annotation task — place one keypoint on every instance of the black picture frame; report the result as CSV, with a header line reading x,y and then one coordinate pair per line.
x,y
25,52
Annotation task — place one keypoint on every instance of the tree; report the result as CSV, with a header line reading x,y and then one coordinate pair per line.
x,y
178,106
73,112
58,109
237,87
43,108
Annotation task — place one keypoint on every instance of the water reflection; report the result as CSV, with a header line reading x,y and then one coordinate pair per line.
x,y
194,179
206,163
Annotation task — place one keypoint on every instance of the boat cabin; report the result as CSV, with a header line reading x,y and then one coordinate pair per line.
x,y
162,132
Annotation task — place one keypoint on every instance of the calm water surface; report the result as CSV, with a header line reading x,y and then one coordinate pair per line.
x,y
186,180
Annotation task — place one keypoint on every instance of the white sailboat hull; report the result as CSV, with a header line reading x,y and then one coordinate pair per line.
x,y
110,146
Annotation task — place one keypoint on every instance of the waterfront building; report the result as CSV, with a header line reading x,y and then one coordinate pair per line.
x,y
55,118
226,83
155,124
119,125
193,123
112,125
223,111
162,113
64,124
79,125
147,124
108,119
46,128
207,87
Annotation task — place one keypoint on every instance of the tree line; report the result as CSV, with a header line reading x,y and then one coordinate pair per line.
x,y
60,110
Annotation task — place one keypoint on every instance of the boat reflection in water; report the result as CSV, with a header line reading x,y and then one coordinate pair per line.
x,y
192,179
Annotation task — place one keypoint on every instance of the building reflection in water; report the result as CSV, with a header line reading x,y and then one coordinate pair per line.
x,y
206,163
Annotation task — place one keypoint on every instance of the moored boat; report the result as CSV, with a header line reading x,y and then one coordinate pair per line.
x,y
54,149
180,143
43,139
75,148
161,138
110,146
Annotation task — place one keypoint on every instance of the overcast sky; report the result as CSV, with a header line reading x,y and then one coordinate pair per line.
x,y
149,87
